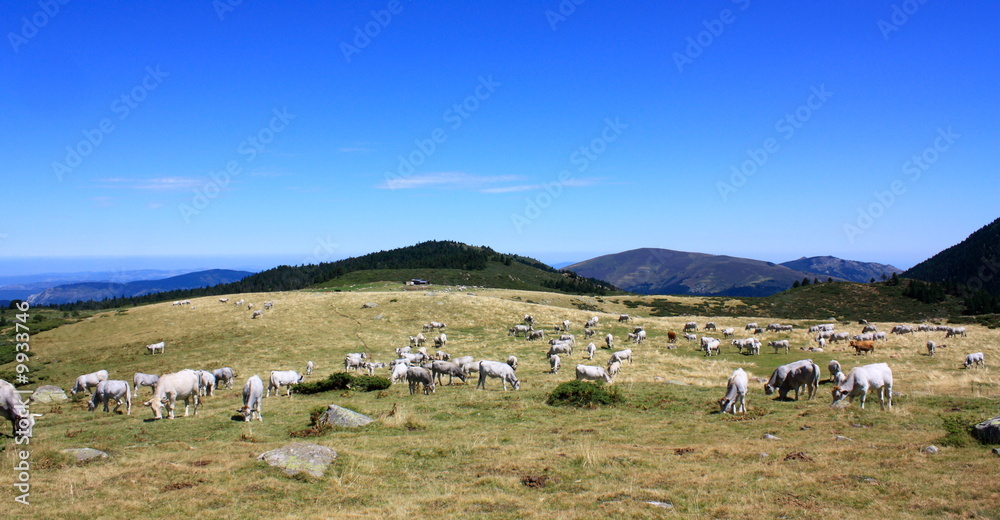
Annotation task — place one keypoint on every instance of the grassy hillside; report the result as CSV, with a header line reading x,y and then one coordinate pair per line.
x,y
490,454
974,262
841,300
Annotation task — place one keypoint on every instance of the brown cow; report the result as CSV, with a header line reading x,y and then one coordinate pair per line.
x,y
863,346
672,336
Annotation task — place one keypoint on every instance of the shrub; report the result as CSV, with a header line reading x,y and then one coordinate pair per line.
x,y
344,381
958,430
582,393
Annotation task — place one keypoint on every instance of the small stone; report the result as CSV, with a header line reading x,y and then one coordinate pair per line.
x,y
369,305
842,438
764,455
85,454
377,317
664,505
931,450
769,437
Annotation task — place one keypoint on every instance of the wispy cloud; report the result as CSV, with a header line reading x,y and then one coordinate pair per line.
x,y
572,183
154,184
447,180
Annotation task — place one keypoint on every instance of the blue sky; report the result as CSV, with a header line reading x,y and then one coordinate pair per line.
x,y
311,131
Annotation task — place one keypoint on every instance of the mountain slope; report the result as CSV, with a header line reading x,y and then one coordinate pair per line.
x,y
850,270
98,291
974,262
665,271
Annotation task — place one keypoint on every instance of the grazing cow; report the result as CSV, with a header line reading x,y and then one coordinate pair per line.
x,y
441,341
690,337
609,340
417,376
955,331
588,333
565,326
591,323
88,381
624,318
902,329
529,319
418,340
793,376
834,368
156,346
614,366
931,347
728,333
140,379
463,360
280,378
736,391
253,394
206,383
439,368
555,363
560,348
592,373
710,346
353,361
622,355
171,387
249,306
840,336
512,362
223,300
436,325
861,379
240,302
671,336
498,370
923,327
224,375
689,326
640,337
15,410
824,334
778,345
268,305
751,326
710,326
863,337
257,314
112,389
519,330
862,347
536,334
758,330
442,356
591,348
975,360
879,336
399,372
309,368
869,328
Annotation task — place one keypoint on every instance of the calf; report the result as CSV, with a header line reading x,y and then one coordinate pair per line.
x,y
736,391
112,389
253,393
862,347
857,383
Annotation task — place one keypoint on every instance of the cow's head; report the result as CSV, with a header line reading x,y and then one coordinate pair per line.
x,y
724,405
768,389
838,394
156,405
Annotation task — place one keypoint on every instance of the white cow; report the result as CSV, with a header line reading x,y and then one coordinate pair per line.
x,y
591,348
710,346
156,346
206,383
834,368
88,381
555,363
309,368
931,347
417,376
736,391
778,345
592,373
512,361
15,410
728,333
112,389
640,337
501,371
622,355
140,379
253,394
170,388
614,366
860,379
257,314
399,372
609,340
955,331
280,378
975,360
591,323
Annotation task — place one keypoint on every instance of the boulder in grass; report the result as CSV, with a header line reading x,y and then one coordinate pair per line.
x,y
340,416
301,457
48,394
988,431
85,454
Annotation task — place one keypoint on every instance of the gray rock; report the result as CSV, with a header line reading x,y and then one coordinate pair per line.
x,y
85,454
988,431
48,394
369,306
764,455
769,437
843,403
931,450
842,438
377,317
340,416
664,505
996,451
301,457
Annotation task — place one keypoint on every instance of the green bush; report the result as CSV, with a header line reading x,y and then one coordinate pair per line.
x,y
958,430
581,393
344,381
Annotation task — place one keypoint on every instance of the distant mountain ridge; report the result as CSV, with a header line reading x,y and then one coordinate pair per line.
x,y
665,271
850,270
97,291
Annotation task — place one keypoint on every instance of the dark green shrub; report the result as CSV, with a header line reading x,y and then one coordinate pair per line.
x,y
958,430
364,383
344,381
582,393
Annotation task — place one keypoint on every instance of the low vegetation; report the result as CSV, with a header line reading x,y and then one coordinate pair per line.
x,y
583,394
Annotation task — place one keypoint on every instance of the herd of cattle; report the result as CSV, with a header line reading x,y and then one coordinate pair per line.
x,y
423,371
